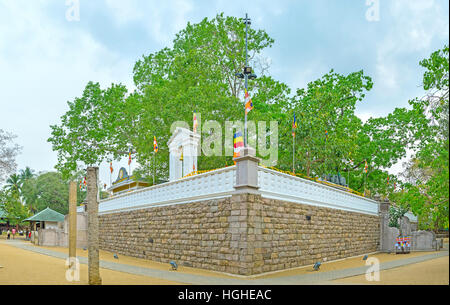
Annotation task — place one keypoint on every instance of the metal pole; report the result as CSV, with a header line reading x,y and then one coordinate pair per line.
x,y
154,167
293,152
246,78
348,182
365,175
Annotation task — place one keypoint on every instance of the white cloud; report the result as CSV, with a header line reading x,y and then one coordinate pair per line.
x,y
161,19
415,23
44,63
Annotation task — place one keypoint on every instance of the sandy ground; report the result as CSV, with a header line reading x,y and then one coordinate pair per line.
x,y
22,267
42,269
344,264
432,272
340,264
128,260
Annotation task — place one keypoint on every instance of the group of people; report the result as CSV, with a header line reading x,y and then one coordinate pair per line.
x,y
8,233
13,233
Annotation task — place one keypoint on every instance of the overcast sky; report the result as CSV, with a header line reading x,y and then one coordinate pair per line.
x,y
46,57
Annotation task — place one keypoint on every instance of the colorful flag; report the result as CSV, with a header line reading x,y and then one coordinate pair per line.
x,y
85,181
238,144
248,103
294,126
81,184
326,135
366,166
155,145
195,122
111,167
129,157
388,180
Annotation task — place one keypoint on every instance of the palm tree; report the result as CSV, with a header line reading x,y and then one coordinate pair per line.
x,y
26,174
14,184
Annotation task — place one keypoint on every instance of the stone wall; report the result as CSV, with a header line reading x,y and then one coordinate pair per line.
x,y
284,238
192,234
243,234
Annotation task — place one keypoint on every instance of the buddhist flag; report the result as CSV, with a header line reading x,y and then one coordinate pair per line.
x,y
155,145
248,103
326,135
195,122
388,180
111,167
238,144
85,182
129,157
294,126
81,184
366,166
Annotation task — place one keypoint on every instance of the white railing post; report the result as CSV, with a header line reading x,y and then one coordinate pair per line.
x,y
247,172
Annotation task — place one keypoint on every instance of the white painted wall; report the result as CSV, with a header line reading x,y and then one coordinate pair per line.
x,y
215,184
220,183
281,186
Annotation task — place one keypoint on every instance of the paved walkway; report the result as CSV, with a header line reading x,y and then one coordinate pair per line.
x,y
301,279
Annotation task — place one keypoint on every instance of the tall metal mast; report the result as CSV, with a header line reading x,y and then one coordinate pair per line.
x,y
247,73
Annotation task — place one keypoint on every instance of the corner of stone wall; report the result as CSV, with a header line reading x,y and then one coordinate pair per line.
x,y
384,225
245,226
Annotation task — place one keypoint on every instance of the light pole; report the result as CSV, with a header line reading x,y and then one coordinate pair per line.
x,y
247,73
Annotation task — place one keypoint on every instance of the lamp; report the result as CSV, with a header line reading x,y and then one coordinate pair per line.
x,y
174,265
317,266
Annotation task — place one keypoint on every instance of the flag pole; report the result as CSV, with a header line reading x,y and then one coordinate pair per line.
x,y
365,176
293,152
154,166
348,181
246,78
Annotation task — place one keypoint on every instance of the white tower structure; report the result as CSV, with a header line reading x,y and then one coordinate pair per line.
x,y
183,152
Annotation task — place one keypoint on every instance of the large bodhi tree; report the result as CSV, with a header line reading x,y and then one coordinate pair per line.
x,y
198,74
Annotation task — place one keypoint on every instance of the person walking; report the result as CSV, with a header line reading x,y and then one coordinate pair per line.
x,y
9,234
13,233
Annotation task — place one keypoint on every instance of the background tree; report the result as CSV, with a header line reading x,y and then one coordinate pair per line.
x,y
8,153
26,174
426,188
11,204
47,190
14,184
